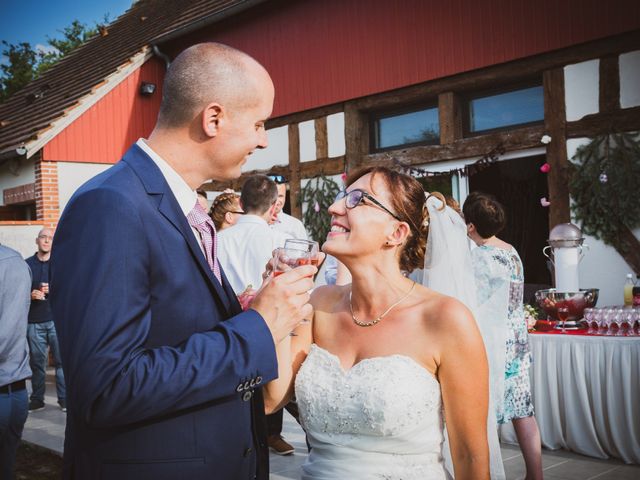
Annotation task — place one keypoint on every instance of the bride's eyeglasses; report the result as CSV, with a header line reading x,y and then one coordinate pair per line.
x,y
356,196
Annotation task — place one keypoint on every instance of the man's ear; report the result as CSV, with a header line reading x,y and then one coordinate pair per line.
x,y
212,115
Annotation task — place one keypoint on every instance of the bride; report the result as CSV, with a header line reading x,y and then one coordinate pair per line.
x,y
384,362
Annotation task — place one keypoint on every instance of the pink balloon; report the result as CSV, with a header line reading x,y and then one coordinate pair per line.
x,y
545,168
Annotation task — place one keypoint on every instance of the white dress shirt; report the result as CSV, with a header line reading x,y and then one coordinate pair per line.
x,y
244,250
184,195
290,225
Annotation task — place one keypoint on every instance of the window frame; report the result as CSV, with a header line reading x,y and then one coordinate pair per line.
x,y
376,116
467,98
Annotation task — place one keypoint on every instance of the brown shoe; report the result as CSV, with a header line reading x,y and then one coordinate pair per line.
x,y
279,446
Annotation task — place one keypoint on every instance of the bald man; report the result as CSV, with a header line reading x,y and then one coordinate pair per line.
x,y
164,370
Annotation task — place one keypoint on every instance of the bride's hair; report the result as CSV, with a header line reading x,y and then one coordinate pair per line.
x,y
409,203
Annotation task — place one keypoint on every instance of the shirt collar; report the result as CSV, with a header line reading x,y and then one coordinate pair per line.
x,y
250,218
184,195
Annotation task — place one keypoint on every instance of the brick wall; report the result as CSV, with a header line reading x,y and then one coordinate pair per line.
x,y
47,200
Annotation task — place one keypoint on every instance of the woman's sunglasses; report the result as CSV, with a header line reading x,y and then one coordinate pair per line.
x,y
356,196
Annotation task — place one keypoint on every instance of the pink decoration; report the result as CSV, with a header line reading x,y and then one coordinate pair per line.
x,y
343,177
316,206
544,202
545,168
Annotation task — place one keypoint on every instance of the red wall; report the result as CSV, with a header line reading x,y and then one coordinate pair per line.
x,y
321,52
104,132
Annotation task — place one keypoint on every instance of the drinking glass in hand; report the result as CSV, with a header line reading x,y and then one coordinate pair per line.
x,y
285,259
563,314
309,246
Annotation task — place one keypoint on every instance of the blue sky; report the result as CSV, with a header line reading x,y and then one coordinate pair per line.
x,y
34,20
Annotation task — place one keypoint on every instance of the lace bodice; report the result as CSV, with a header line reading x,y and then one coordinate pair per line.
x,y
381,419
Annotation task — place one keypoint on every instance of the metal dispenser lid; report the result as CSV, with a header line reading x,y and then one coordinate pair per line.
x,y
565,235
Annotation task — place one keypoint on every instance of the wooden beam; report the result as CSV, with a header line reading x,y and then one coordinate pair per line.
x,y
609,98
450,116
299,117
356,135
555,120
517,139
322,166
623,120
322,141
294,172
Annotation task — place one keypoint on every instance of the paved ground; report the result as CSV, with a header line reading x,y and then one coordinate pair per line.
x,y
46,428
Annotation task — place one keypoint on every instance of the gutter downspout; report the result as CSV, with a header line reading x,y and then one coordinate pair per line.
x,y
163,56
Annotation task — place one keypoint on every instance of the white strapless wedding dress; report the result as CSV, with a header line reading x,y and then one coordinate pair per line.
x,y
381,419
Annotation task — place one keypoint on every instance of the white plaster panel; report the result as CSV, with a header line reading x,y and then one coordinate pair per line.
x,y
581,86
72,175
20,237
335,134
276,153
630,79
602,266
307,140
14,174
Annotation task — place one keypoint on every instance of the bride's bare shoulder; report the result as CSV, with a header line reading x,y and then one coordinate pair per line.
x,y
327,296
444,312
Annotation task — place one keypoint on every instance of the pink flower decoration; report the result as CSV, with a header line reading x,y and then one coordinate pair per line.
x,y
343,177
544,202
316,206
545,168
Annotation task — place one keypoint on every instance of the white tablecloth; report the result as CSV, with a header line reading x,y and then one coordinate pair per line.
x,y
586,395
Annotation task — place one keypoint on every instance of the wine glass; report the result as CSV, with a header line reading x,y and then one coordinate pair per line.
x,y
563,314
617,319
309,246
589,316
607,319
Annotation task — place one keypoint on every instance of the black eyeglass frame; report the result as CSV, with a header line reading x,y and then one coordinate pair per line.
x,y
344,194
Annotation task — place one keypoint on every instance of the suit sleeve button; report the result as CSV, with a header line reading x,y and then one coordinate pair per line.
x,y
239,388
258,380
247,395
247,452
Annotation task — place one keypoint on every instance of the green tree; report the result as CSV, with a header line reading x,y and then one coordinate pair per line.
x,y
19,70
25,64
72,37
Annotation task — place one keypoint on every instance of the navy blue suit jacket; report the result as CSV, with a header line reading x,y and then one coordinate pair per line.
x,y
162,367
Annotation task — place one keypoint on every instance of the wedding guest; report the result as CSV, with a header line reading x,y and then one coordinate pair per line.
x,y
225,210
282,221
383,362
41,331
15,283
497,265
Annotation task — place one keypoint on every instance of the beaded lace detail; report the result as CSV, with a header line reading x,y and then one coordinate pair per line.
x,y
382,418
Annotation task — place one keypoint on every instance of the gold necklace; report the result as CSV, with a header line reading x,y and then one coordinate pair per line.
x,y
381,316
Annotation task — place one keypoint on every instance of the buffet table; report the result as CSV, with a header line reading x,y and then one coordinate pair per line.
x,y
586,394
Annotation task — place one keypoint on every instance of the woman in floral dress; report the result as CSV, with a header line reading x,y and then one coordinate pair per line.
x,y
498,270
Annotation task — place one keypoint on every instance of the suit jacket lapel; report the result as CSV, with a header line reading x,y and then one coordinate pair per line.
x,y
156,185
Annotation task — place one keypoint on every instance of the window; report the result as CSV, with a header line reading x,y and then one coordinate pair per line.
x,y
415,127
506,109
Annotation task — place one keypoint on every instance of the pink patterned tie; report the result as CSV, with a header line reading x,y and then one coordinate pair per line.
x,y
199,220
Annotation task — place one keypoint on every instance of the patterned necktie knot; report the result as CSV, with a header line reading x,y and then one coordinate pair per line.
x,y
199,220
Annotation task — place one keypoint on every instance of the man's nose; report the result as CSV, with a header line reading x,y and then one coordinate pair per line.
x,y
263,141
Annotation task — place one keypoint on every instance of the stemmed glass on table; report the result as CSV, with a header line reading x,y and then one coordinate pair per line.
x,y
592,321
563,314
